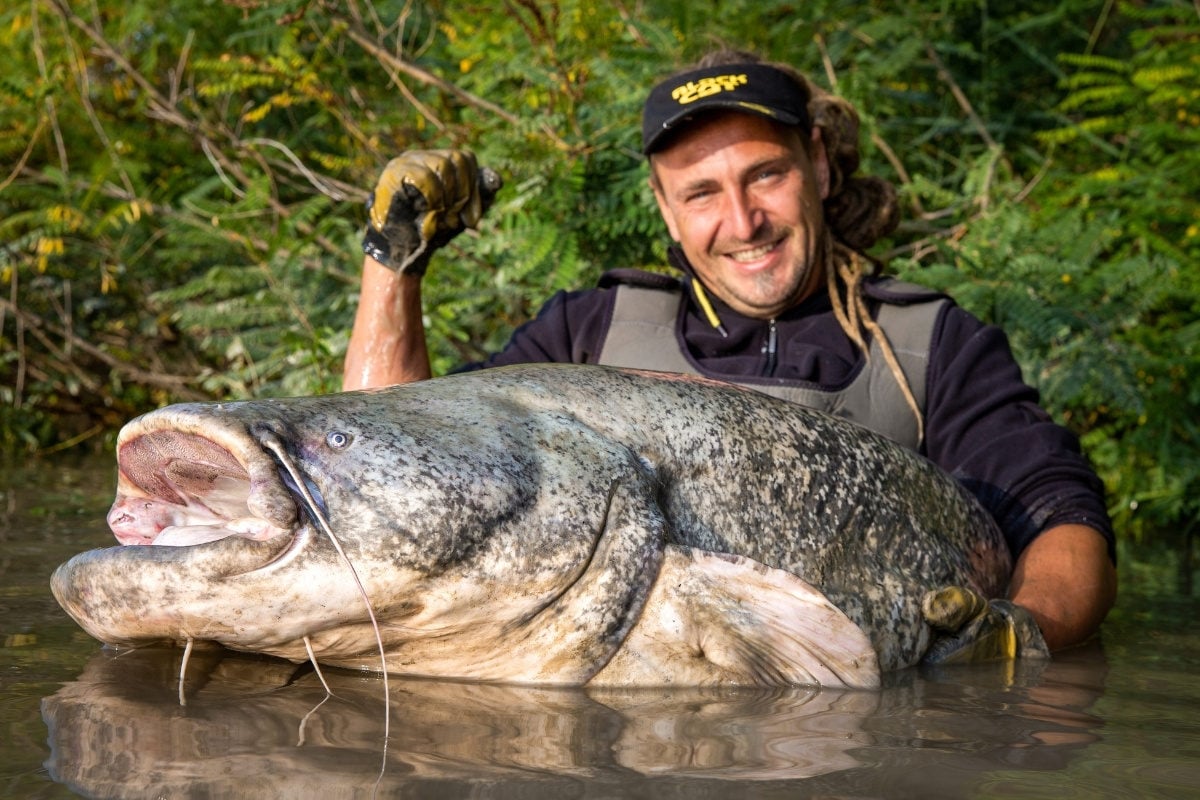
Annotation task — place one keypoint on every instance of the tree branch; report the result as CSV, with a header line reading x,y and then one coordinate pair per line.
x,y
360,37
959,96
43,330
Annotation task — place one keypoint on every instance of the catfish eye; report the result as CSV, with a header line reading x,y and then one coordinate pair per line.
x,y
338,440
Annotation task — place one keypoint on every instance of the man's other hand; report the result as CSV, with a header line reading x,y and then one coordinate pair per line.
x,y
970,629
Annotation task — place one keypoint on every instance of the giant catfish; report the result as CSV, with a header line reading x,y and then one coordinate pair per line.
x,y
541,524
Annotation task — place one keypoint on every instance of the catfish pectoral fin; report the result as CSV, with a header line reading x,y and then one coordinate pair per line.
x,y
714,618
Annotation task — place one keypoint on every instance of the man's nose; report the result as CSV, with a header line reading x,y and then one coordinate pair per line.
x,y
744,216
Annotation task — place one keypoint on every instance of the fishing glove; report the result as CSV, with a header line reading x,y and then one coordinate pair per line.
x,y
969,628
424,198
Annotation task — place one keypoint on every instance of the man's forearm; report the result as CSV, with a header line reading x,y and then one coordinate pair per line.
x,y
387,344
1066,580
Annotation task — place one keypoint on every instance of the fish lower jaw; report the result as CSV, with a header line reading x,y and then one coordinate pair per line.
x,y
252,528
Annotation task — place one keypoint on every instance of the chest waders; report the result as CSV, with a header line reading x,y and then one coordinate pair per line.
x,y
642,336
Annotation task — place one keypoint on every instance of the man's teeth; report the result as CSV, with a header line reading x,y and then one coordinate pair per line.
x,y
744,256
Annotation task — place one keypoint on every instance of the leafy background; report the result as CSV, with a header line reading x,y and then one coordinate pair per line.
x,y
182,189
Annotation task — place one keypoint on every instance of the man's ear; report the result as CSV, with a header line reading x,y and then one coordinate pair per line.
x,y
820,162
663,207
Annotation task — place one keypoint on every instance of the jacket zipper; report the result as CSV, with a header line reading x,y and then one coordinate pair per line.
x,y
770,349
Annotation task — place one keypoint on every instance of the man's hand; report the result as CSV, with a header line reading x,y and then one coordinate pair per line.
x,y
424,198
972,629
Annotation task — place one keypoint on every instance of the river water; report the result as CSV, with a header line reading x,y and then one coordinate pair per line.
x,y
1117,718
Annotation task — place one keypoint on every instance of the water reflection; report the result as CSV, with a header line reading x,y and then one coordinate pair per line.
x,y
253,726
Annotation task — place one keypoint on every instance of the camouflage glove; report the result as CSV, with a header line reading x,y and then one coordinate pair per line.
x,y
424,198
971,629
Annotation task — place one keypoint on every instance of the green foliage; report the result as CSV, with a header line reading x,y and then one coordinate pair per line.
x,y
1142,113
1093,272
184,198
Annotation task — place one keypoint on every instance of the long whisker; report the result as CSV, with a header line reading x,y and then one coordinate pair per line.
x,y
383,762
316,667
304,721
328,692
187,654
315,512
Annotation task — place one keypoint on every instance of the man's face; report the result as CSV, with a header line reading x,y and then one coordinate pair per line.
x,y
742,197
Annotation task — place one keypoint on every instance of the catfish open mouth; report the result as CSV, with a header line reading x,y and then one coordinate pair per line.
x,y
178,488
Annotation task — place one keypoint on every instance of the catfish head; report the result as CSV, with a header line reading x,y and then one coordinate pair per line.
x,y
487,549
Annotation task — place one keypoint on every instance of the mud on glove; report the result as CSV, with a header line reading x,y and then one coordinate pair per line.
x,y
423,199
971,629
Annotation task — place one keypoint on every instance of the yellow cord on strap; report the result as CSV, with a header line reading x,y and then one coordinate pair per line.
x,y
706,307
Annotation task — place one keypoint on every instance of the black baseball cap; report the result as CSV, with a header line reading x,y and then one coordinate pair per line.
x,y
752,87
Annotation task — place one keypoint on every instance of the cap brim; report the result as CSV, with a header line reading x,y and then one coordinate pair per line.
x,y
680,120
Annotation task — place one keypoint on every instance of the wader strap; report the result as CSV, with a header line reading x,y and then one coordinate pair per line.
x,y
642,332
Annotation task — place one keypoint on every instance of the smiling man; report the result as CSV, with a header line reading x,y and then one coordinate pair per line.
x,y
753,168
742,197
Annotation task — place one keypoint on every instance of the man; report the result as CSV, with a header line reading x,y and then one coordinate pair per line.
x,y
752,167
